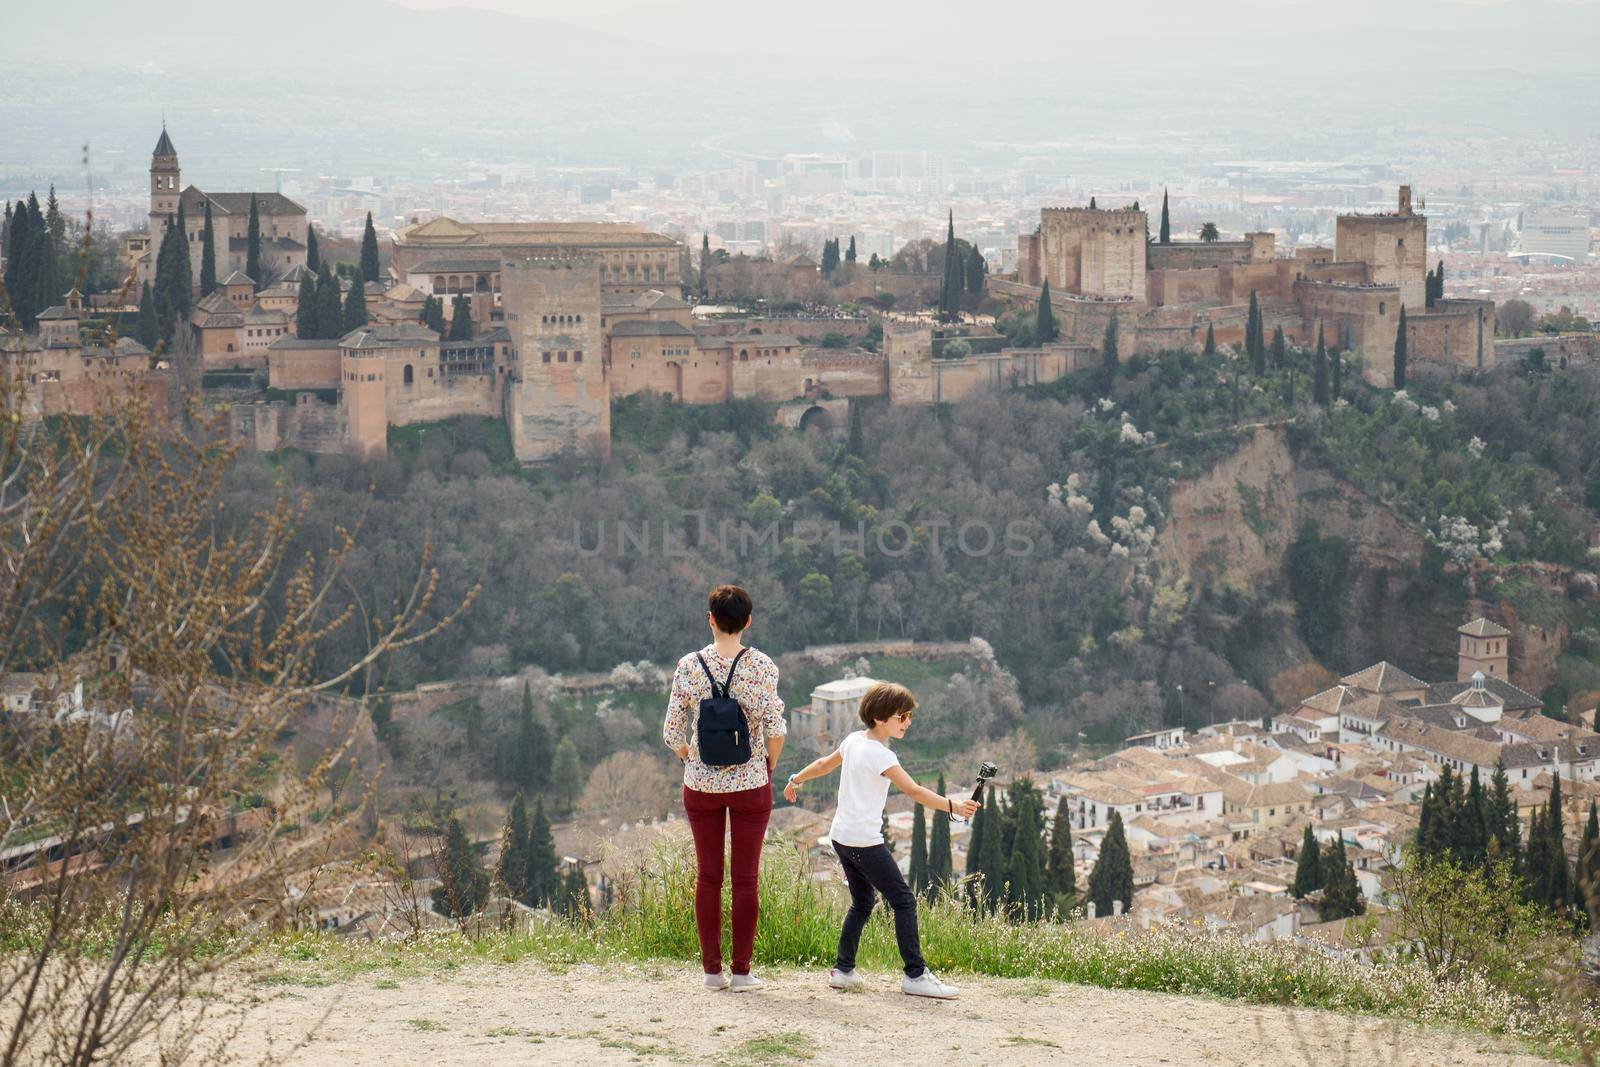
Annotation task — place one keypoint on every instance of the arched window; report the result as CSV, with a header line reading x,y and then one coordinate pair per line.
x,y
438,283
1380,307
408,374
744,355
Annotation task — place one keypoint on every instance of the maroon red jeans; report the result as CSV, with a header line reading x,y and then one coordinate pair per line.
x,y
712,816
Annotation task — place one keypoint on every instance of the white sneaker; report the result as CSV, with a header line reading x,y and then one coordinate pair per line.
x,y
849,981
926,985
717,981
746,983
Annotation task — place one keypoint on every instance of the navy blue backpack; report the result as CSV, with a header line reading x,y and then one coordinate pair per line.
x,y
721,730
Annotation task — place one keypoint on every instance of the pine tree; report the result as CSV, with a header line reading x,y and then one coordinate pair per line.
x,y
1112,876
566,772
1280,348
1319,386
1108,354
1025,868
355,306
1044,328
512,868
313,253
252,247
1400,352
149,329
461,318
330,306
463,885
1211,341
540,881
919,853
305,312
208,255
371,267
1308,867
850,253
1166,221
1061,875
1341,894
940,867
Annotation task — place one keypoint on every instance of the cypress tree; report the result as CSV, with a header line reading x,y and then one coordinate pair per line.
x,y
1112,876
1425,831
993,860
1505,830
58,272
20,281
951,287
1236,392
1438,284
850,253
1536,861
305,312
1253,338
1108,353
857,444
252,247
1400,351
540,882
172,287
330,308
530,754
566,772
149,329
940,870
977,270
1044,329
1061,878
313,253
1211,341
1166,221
574,902
1337,359
370,266
1556,849
1092,205
1585,884
919,853
512,868
433,315
1279,348
705,262
1341,894
1025,869
1308,866
1319,386
463,885
461,318
208,255
355,306
1471,829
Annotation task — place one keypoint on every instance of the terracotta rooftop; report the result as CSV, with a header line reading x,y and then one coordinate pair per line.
x,y
1482,627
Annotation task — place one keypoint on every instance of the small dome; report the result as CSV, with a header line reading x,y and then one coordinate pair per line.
x,y
1477,679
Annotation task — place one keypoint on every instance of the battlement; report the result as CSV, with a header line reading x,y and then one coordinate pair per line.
x,y
1090,212
554,259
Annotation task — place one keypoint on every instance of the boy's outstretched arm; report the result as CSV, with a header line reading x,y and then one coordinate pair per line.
x,y
927,797
815,769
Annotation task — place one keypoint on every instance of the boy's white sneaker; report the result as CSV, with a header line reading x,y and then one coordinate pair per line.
x,y
717,981
926,985
849,981
746,983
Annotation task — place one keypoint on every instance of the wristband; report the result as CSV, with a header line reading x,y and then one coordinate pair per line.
x,y
950,804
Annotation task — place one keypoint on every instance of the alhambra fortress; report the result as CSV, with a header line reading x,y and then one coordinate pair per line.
x,y
567,316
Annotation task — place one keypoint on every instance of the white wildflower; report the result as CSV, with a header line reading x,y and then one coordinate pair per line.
x,y
1097,535
1131,434
1430,413
1475,447
1106,403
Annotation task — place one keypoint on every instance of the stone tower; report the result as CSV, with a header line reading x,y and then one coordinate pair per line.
x,y
363,396
909,355
165,187
558,398
1484,650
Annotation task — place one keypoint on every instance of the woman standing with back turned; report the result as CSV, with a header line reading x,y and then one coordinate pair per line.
x,y
729,791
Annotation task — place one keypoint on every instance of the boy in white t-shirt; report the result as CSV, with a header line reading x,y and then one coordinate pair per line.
x,y
869,865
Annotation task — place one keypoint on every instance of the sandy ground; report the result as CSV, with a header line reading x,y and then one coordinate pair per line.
x,y
529,1013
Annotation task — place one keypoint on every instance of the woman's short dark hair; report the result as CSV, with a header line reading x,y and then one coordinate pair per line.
x,y
884,701
730,608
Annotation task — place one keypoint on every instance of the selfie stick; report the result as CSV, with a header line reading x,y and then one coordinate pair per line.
x,y
985,772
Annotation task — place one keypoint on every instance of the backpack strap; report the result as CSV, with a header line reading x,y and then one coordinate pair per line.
x,y
721,690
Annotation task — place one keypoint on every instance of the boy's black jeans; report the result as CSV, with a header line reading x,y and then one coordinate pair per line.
x,y
868,868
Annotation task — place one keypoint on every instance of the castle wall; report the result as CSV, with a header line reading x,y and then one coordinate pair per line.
x,y
1183,286
1091,252
1009,368
363,400
552,406
909,355
1192,255
841,373
785,325
303,368
676,366
1355,317
1459,333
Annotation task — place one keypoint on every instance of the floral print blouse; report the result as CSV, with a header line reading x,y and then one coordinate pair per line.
x,y
755,687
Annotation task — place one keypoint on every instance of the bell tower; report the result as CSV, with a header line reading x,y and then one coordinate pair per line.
x,y
165,186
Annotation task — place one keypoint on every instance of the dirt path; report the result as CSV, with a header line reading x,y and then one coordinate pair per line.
x,y
517,1014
